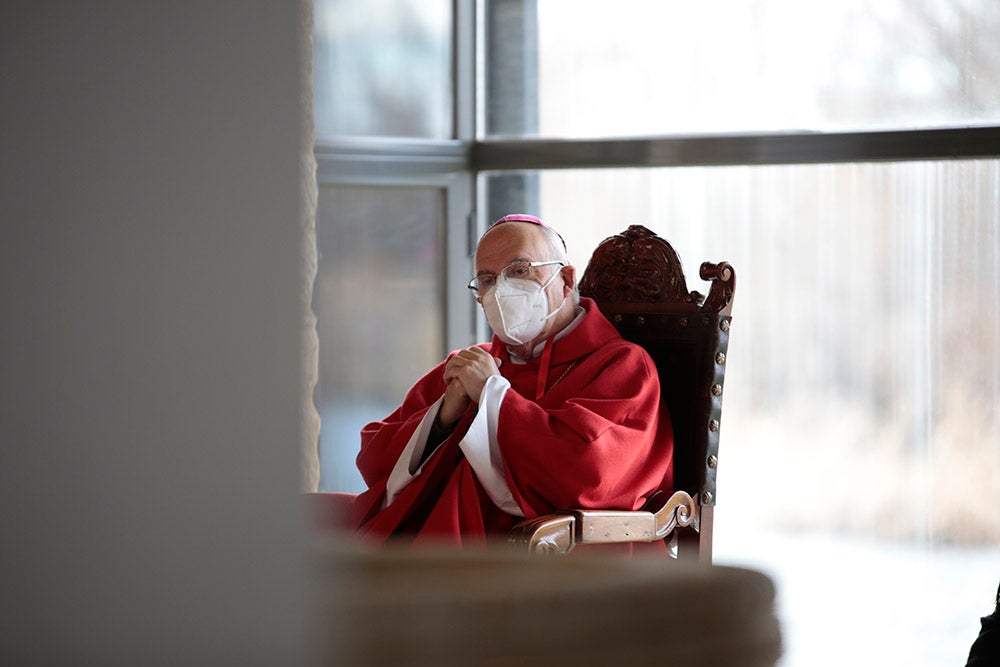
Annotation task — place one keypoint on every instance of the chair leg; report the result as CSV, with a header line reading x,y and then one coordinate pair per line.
x,y
695,545
705,534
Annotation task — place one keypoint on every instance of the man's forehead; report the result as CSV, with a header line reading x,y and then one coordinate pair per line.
x,y
511,242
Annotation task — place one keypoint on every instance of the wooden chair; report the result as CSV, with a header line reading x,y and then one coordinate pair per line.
x,y
638,283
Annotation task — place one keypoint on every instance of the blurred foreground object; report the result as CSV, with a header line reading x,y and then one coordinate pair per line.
x,y
390,607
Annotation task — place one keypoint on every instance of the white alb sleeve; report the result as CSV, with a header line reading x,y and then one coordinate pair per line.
x,y
482,450
407,465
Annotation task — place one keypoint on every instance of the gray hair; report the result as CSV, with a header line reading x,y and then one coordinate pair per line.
x,y
557,246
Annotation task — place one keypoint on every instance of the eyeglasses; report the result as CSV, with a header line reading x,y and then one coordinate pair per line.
x,y
518,270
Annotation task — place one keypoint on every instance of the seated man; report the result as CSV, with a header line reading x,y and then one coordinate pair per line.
x,y
557,412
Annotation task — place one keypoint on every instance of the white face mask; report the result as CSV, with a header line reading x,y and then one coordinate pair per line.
x,y
518,309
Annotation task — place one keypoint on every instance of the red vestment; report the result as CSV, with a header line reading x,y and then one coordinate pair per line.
x,y
595,439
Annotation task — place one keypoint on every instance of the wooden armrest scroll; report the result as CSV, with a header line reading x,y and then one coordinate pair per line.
x,y
559,533
548,534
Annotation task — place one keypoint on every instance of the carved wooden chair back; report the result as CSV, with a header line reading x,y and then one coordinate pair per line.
x,y
638,282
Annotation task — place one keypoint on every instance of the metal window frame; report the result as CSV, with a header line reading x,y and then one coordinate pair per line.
x,y
738,149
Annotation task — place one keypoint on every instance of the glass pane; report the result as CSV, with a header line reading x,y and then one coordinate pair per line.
x,y
383,68
378,299
654,67
860,442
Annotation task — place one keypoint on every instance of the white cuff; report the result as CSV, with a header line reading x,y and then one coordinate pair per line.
x,y
407,467
482,450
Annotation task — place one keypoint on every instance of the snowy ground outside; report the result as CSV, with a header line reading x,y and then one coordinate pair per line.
x,y
848,601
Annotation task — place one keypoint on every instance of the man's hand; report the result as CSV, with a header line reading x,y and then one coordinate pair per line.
x,y
472,367
454,405
465,374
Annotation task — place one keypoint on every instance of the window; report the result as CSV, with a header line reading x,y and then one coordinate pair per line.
x,y
394,214
392,59
653,67
860,447
813,147
377,298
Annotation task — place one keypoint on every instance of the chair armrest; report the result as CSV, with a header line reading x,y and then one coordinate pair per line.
x,y
559,533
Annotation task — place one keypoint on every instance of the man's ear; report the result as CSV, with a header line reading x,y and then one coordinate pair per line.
x,y
569,277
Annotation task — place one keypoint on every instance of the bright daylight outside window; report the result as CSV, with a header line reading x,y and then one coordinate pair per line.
x,y
651,67
860,443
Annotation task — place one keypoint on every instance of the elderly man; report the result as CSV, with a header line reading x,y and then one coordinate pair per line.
x,y
557,412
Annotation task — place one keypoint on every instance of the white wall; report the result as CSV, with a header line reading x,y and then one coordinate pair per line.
x,y
149,333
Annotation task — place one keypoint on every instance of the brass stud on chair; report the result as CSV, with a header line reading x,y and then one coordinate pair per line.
x,y
720,358
713,425
641,320
684,323
713,461
724,324
617,318
706,320
706,498
716,389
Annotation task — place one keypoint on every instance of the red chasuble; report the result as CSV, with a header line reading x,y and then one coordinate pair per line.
x,y
591,440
